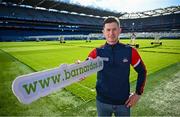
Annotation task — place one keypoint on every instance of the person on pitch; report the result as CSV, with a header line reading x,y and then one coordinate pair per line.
x,y
112,86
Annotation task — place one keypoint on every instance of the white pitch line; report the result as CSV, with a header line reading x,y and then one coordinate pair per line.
x,y
85,87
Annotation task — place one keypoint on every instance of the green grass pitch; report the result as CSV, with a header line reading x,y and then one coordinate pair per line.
x,y
18,58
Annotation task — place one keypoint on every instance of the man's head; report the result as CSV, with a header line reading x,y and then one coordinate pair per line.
x,y
111,29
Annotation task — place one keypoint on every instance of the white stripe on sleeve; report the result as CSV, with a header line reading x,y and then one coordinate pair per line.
x,y
137,63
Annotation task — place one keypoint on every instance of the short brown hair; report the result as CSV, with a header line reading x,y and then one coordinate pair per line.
x,y
111,19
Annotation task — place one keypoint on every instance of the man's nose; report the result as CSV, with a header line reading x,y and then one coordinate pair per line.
x,y
111,32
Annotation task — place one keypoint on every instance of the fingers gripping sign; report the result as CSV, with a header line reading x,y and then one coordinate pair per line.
x,y
78,62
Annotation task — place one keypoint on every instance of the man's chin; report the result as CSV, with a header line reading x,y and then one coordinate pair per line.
x,y
114,40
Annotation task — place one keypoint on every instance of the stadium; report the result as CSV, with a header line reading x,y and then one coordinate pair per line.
x,y
36,35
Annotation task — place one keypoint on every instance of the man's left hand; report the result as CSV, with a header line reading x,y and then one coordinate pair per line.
x,y
133,99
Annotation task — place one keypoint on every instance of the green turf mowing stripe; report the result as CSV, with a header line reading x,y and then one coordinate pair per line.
x,y
10,57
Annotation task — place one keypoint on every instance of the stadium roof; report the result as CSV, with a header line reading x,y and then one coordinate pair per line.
x,y
62,6
74,8
151,13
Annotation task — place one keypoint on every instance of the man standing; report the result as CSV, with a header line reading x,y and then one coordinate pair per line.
x,y
112,86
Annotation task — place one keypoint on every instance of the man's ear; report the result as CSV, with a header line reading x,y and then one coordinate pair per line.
x,y
120,30
103,31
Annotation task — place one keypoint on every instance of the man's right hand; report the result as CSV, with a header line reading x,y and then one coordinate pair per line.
x,y
77,62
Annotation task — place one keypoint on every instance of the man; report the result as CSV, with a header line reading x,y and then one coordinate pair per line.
x,y
113,88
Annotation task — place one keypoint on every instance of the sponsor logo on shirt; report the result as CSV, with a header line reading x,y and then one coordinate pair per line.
x,y
105,58
125,60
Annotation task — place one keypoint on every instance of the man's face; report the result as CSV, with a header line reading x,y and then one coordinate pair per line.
x,y
111,32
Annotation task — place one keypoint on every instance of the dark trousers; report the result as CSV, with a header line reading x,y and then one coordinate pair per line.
x,y
108,109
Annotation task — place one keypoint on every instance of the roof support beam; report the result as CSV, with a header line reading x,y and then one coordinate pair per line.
x,y
39,3
53,6
21,2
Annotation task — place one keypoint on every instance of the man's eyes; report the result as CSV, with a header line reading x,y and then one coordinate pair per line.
x,y
111,29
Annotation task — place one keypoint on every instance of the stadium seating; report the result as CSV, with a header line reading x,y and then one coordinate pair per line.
x,y
25,21
151,35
